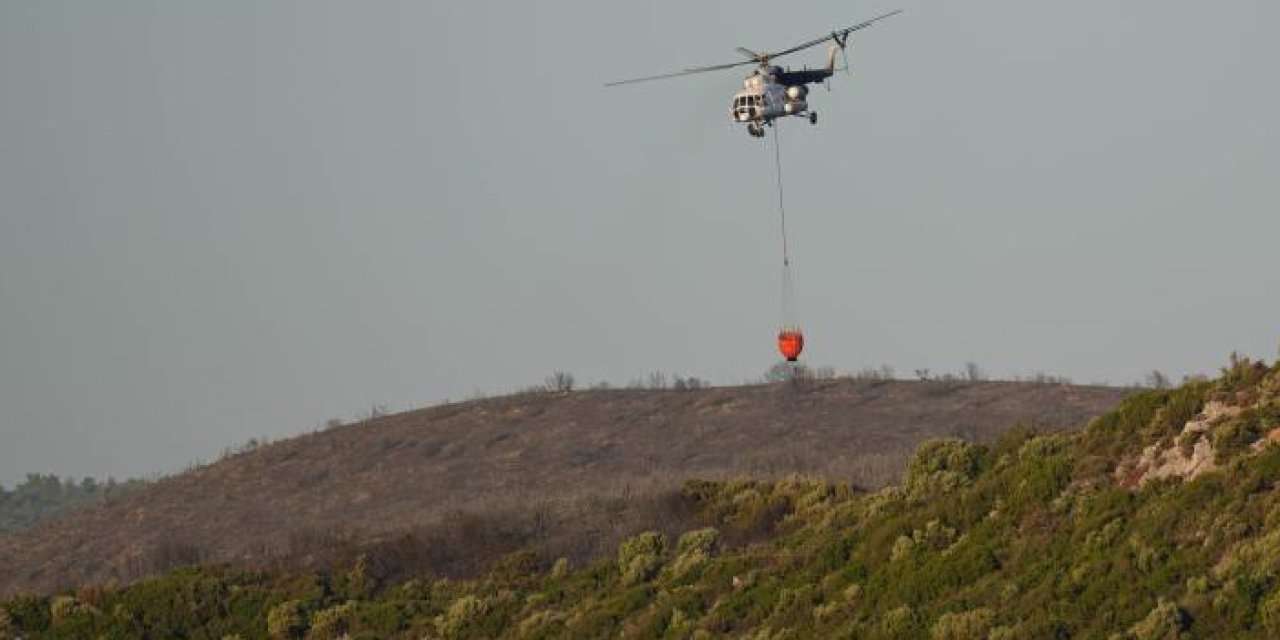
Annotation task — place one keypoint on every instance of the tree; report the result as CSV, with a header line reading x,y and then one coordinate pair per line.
x,y
688,384
973,373
559,382
785,371
1157,380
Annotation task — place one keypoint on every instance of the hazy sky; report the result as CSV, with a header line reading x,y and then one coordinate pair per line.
x,y
222,220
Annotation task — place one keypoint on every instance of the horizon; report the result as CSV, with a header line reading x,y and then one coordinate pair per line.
x,y
665,382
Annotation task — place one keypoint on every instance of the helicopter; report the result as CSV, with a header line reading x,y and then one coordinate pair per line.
x,y
772,92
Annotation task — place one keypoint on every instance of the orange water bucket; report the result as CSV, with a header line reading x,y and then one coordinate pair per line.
x,y
790,343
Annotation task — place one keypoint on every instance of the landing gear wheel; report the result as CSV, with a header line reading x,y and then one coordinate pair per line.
x,y
813,117
753,130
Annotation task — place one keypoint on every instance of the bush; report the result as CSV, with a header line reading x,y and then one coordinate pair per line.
x,y
1165,622
693,551
1179,406
63,608
1269,613
1233,437
967,625
332,623
287,620
462,613
1043,469
704,540
559,382
942,466
935,536
902,622
1240,373
640,557
560,569
688,384
1118,431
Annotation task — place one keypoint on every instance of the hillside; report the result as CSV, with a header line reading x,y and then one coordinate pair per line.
x,y
569,474
1100,533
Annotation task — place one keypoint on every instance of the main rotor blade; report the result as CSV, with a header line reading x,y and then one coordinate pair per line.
x,y
718,67
686,72
841,33
757,58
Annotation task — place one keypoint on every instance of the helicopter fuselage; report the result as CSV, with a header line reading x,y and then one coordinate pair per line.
x,y
769,94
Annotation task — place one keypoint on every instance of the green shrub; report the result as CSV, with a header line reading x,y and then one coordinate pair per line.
x,y
903,547
1043,469
1269,613
1269,416
1121,430
27,613
934,536
560,569
287,620
640,557
966,625
1236,603
1165,622
462,613
705,540
1179,406
649,543
1239,374
1233,437
902,622
331,623
64,608
943,465
693,550
359,584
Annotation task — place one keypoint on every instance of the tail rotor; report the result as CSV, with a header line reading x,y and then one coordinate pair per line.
x,y
842,41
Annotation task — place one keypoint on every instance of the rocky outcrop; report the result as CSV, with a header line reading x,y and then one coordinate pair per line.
x,y
1190,455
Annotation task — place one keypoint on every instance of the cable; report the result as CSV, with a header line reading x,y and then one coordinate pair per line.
x,y
782,210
